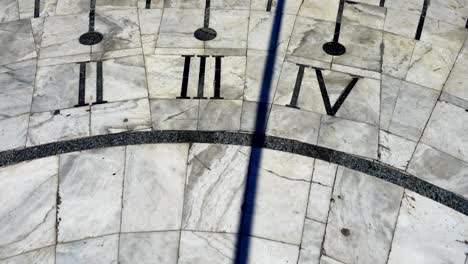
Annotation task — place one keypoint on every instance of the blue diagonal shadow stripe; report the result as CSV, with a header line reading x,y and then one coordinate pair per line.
x,y
248,205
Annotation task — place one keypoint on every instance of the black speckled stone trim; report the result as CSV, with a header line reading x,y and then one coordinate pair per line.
x,y
367,166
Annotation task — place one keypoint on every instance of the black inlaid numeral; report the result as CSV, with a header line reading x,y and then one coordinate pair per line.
x,y
331,110
37,7
269,3
201,77
148,4
82,85
422,18
297,87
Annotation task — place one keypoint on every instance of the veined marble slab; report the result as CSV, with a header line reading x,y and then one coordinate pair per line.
x,y
174,114
27,216
90,191
154,187
102,250
363,237
17,42
427,232
13,132
311,246
9,12
149,248
16,92
42,256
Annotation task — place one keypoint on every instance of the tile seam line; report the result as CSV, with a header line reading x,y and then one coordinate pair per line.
x,y
367,166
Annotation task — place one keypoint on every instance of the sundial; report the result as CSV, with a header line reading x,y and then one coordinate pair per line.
x,y
234,131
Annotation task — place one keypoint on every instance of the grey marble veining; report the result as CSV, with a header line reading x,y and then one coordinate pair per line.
x,y
9,11
149,248
42,256
394,150
209,248
16,92
120,116
427,232
363,237
90,190
440,169
27,216
219,115
154,187
174,114
54,126
311,246
13,132
446,130
102,250
17,42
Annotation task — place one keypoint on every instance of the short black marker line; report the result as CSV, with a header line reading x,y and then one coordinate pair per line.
x,y
148,4
339,17
217,80
269,3
82,85
206,19
297,86
382,3
466,25
422,19
92,15
332,110
99,84
37,7
201,77
185,77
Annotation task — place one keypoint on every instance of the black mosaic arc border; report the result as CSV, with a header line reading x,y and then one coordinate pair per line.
x,y
367,166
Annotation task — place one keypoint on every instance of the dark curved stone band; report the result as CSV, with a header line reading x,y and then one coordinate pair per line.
x,y
366,166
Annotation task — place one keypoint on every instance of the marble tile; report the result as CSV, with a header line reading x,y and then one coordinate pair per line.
x,y
232,28
394,150
439,168
149,248
452,99
42,256
260,25
120,29
268,251
442,34
362,218
428,232
177,28
119,117
319,202
165,74
214,188
405,107
13,132
56,87
324,173
348,136
174,114
293,123
209,248
327,260
63,40
457,82
9,11
154,191
101,250
397,55
362,104
219,115
90,189
27,216
446,130
308,37
319,10
453,12
46,8
17,42
363,14
150,20
430,65
311,246
56,126
250,114
412,6
290,6
401,22
66,7
254,76
363,48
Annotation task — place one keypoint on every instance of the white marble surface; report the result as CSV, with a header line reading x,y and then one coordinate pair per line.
x,y
90,190
94,250
149,248
27,216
